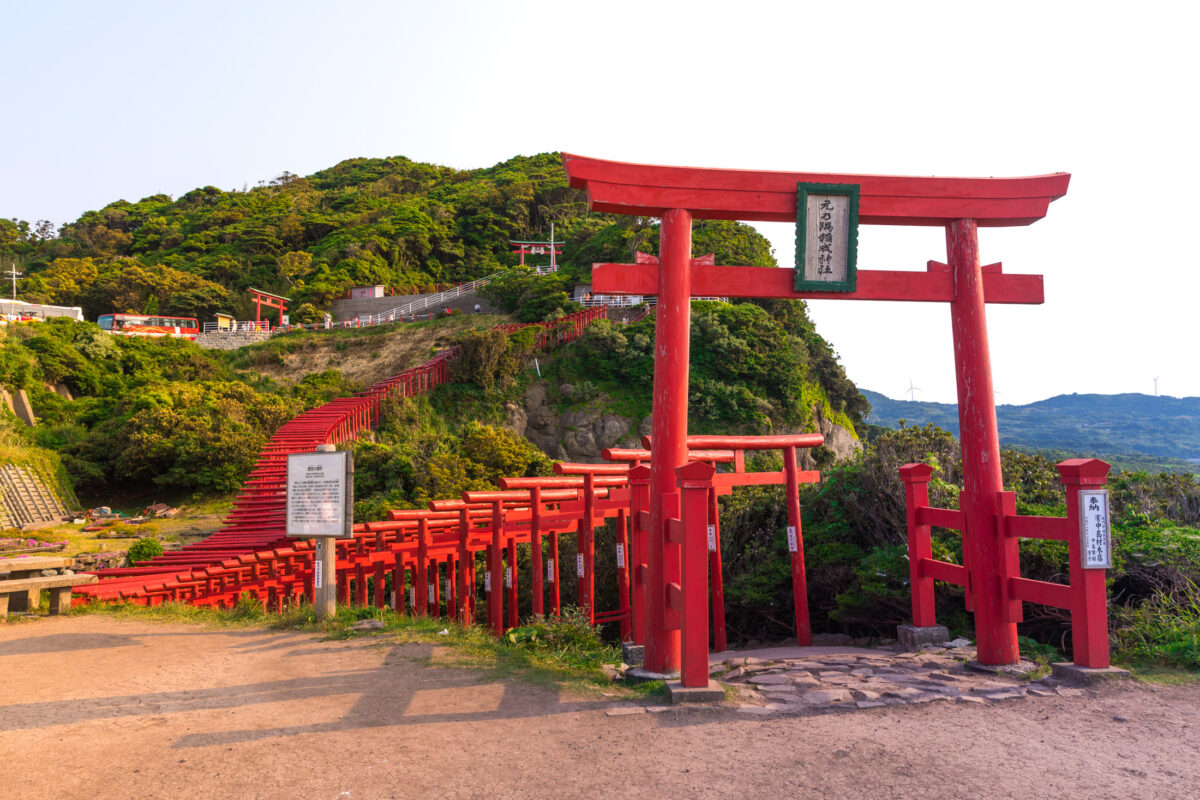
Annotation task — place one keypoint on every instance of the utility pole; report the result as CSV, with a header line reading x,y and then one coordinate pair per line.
x,y
13,272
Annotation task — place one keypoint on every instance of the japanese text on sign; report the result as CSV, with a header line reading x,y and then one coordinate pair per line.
x,y
1095,537
620,556
579,565
827,238
712,538
793,544
320,494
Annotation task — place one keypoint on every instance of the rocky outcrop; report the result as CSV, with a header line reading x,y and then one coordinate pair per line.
x,y
575,435
581,434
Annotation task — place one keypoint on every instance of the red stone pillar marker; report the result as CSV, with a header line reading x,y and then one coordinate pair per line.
x,y
639,507
466,560
669,426
916,495
996,639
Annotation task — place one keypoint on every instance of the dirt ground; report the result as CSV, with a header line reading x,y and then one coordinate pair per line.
x,y
101,707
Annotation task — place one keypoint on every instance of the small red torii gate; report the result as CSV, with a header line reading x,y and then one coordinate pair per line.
x,y
960,205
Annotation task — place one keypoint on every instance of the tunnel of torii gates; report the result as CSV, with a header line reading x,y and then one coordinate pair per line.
x,y
677,195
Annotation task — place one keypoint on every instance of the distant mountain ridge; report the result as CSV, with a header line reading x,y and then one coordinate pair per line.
x,y
1087,424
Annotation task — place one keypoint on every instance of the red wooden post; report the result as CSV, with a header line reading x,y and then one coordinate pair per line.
x,y
510,578
421,573
716,580
916,495
996,638
451,586
1089,597
435,587
672,335
553,576
398,583
623,572
535,538
466,560
587,549
639,510
380,580
795,538
695,481
495,554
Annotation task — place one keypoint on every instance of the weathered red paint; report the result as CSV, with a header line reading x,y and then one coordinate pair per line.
x,y
996,638
669,422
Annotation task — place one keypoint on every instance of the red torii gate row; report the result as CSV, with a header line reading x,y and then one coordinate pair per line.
x,y
960,205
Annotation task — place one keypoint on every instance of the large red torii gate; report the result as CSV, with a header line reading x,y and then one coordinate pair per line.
x,y
960,205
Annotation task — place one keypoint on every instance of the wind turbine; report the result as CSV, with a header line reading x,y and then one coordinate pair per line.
x,y
911,390
1156,377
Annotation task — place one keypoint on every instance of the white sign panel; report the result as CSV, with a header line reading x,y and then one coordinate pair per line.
x,y
620,556
1094,533
550,570
793,545
579,565
318,574
430,592
508,577
712,538
487,581
320,494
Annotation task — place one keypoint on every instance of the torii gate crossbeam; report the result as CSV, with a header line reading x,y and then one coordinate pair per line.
x,y
960,205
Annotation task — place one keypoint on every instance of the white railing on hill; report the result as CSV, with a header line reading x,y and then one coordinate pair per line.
x,y
404,313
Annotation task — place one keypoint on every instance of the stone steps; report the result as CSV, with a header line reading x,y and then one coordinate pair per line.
x,y
27,500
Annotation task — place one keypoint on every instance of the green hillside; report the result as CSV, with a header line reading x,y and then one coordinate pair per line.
x,y
1139,430
390,221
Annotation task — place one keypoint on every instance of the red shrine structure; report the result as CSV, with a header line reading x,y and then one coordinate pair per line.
x,y
986,516
550,248
276,301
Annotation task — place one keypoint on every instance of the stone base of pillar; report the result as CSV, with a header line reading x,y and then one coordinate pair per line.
x,y
1073,673
713,693
911,637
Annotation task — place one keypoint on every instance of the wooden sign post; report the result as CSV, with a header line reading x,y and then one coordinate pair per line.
x,y
320,504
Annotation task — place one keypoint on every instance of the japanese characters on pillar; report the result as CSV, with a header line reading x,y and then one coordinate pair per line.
x,y
1095,537
826,237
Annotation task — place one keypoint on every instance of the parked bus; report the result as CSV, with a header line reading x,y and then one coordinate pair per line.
x,y
138,325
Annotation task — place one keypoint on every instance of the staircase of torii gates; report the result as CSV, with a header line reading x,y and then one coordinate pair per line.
x,y
257,519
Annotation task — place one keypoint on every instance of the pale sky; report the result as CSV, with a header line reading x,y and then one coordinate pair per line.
x,y
122,100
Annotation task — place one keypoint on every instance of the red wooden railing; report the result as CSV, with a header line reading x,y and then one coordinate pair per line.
x,y
257,519
1085,596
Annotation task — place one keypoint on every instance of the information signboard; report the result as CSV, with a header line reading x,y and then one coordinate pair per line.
x,y
320,494
1095,538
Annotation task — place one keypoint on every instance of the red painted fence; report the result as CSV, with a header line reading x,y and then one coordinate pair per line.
x,y
1085,596
256,522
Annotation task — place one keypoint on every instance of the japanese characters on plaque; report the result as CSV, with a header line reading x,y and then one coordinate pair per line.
x,y
1095,537
320,494
826,237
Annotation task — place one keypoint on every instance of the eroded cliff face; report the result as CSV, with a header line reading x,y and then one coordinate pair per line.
x,y
581,434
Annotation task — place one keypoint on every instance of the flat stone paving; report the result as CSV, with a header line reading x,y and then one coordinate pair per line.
x,y
856,679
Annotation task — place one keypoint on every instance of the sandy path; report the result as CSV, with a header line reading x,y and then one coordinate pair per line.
x,y
96,707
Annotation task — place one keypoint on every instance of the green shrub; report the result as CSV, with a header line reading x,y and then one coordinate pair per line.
x,y
142,550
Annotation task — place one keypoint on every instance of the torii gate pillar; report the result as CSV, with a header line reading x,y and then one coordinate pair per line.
x,y
669,421
980,442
